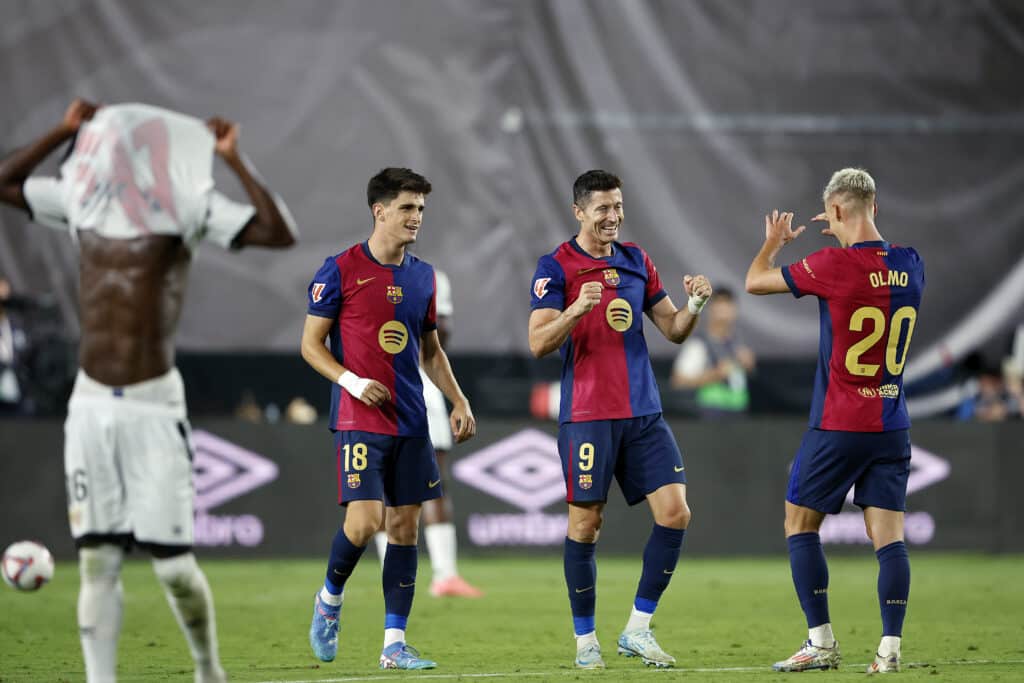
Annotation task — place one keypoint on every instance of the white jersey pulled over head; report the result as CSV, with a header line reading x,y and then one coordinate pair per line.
x,y
139,170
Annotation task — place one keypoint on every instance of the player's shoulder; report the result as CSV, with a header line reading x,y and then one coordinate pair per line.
x,y
557,257
907,252
633,251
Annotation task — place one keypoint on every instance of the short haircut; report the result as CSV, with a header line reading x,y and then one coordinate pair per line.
x,y
391,182
591,182
854,184
723,293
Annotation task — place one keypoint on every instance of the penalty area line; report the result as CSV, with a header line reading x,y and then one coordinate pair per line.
x,y
678,669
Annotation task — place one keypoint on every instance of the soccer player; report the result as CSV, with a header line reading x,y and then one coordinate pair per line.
x,y
587,294
437,513
376,302
869,292
136,194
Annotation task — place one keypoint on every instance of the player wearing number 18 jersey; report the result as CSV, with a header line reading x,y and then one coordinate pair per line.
x,y
869,292
377,304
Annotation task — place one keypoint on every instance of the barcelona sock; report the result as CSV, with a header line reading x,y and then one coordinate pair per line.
x,y
810,576
399,582
893,586
660,557
581,580
344,557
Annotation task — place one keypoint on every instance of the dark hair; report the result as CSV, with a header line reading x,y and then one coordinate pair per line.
x,y
391,182
723,293
591,182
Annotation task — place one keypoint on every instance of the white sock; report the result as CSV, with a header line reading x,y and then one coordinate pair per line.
x,y
441,546
330,598
188,594
586,639
100,599
890,645
393,635
821,636
638,620
380,539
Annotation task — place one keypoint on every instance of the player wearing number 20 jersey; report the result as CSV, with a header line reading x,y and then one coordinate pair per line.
x,y
868,295
869,292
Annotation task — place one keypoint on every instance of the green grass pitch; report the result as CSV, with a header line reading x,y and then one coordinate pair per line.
x,y
723,619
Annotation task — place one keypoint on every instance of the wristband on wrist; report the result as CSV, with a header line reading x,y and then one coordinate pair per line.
x,y
695,304
353,383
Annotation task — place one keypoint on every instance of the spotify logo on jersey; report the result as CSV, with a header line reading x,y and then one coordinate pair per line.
x,y
393,336
619,315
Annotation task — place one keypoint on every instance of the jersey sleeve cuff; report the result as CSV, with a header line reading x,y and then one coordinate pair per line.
x,y
321,313
790,282
653,301
546,304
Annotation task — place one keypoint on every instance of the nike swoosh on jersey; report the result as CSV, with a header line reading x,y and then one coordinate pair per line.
x,y
360,282
432,484
678,469
582,271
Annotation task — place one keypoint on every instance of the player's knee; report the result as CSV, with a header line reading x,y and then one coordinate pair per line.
x,y
586,528
177,573
676,516
101,563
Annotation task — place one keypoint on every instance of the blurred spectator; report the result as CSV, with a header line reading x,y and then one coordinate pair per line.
x,y
14,358
994,400
714,363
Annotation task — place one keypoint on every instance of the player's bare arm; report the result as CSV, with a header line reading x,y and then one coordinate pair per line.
x,y
763,276
314,332
272,226
16,168
676,324
439,370
550,328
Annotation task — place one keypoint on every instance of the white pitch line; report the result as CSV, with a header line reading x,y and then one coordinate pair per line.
x,y
576,672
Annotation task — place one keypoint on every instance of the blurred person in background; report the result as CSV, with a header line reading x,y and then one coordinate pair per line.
x,y
438,528
714,363
136,194
14,351
869,292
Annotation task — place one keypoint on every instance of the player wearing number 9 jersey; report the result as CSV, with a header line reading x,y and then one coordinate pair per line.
x,y
588,296
377,304
869,292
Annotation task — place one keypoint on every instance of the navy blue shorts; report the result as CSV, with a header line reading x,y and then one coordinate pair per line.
x,y
399,470
828,463
640,452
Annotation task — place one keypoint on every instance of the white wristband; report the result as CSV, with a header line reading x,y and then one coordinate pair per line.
x,y
695,304
353,383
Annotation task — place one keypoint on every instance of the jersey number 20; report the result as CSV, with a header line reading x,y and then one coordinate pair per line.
x,y
894,356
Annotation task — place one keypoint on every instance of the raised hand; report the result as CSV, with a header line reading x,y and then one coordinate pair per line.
x,y
226,136
777,227
77,113
697,286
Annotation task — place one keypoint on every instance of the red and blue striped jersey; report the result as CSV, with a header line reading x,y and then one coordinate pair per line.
x,y
868,295
380,313
606,367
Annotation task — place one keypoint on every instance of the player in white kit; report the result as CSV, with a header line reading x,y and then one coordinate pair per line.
x,y
438,528
136,195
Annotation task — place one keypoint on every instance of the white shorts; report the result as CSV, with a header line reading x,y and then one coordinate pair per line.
x,y
437,415
128,460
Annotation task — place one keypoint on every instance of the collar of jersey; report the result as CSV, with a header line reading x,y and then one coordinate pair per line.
x,y
872,244
366,250
575,245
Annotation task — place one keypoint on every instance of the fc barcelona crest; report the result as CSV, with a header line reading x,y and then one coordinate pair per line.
x,y
353,480
586,481
611,277
394,294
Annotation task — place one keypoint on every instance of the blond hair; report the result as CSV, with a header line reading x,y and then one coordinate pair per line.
x,y
854,184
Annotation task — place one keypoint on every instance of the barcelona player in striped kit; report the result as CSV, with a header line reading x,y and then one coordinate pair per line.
x,y
377,303
868,292
588,296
